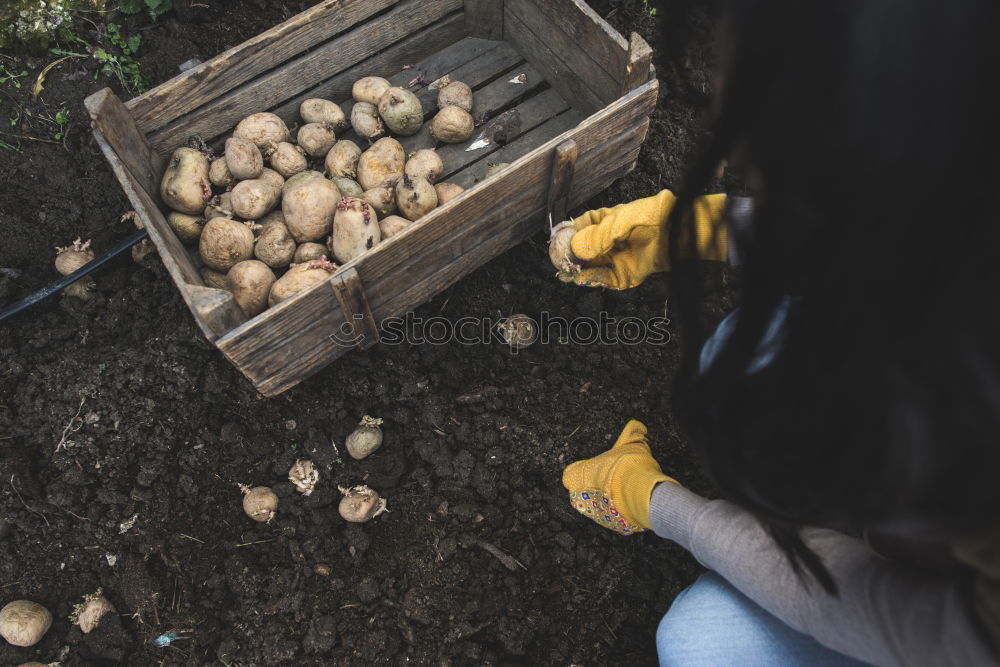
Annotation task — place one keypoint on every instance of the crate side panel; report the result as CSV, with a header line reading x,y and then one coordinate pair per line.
x,y
484,18
119,129
298,75
240,64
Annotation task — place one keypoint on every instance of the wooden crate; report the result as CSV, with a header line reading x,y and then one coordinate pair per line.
x,y
584,107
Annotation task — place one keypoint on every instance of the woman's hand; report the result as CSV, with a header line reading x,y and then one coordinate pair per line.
x,y
614,488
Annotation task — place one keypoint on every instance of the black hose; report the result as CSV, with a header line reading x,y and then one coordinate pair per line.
x,y
66,281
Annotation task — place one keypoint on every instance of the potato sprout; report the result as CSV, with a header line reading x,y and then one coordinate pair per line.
x,y
87,614
304,476
360,504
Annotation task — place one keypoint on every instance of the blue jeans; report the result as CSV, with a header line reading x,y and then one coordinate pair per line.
x,y
711,624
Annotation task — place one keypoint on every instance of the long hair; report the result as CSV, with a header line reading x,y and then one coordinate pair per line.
x,y
872,130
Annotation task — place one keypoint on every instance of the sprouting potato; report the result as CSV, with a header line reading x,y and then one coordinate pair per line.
x,y
316,139
219,206
213,278
360,503
455,94
369,89
250,282
186,227
355,229
262,129
254,198
401,111
298,278
71,258
259,503
275,245
307,252
342,160
224,242
447,191
185,185
286,159
383,200
452,125
88,614
425,163
382,164
309,202
415,197
560,251
276,180
348,186
219,174
366,121
365,439
392,225
317,110
243,158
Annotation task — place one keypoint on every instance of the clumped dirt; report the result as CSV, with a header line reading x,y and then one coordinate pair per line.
x,y
124,434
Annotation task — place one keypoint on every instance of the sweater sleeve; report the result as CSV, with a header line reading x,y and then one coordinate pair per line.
x,y
884,613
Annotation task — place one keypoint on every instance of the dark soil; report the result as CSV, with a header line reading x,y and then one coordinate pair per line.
x,y
123,433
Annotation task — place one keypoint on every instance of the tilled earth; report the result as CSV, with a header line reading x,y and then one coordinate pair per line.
x,y
124,434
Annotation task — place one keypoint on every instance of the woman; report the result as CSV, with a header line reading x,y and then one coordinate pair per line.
x,y
849,410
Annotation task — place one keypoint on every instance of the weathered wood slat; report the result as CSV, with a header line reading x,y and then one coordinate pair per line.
x,y
563,164
239,64
437,50
640,58
561,77
484,18
216,307
119,129
302,73
580,49
354,306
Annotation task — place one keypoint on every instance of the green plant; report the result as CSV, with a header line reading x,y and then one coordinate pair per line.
x,y
123,66
61,119
650,10
7,75
154,7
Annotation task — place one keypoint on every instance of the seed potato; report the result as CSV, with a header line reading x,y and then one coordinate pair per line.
x,y
309,202
307,252
425,163
316,139
299,277
287,159
455,94
369,89
415,197
366,121
317,110
250,282
382,164
219,174
452,125
348,186
355,229
274,178
383,200
254,198
360,504
214,278
24,623
243,158
259,503
224,242
275,245
392,225
401,111
185,182
447,191
219,206
342,160
262,129
186,227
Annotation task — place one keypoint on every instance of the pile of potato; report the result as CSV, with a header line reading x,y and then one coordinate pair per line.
x,y
272,213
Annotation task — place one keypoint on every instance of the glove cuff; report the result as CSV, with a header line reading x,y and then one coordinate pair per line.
x,y
636,492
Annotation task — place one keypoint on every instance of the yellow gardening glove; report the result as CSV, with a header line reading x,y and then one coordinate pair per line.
x,y
614,488
620,247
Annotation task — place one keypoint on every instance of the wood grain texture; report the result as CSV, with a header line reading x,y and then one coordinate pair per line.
x,y
302,73
240,64
354,306
552,23
561,179
119,129
216,307
640,59
484,18
551,64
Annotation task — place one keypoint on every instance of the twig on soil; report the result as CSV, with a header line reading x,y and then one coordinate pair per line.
x,y
195,539
26,504
62,444
250,544
507,561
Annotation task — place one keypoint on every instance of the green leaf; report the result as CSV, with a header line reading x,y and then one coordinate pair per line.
x,y
133,43
130,6
158,7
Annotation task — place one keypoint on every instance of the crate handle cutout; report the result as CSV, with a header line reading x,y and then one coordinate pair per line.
x,y
350,293
561,180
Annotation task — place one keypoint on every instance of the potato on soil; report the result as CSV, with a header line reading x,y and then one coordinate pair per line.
x,y
355,229
316,139
250,282
262,129
365,439
318,110
455,94
360,503
415,197
259,503
299,277
243,158
213,278
219,206
382,164
24,623
307,252
287,159
425,163
447,191
71,258
309,202
254,198
219,174
348,186
274,178
392,225
401,111
186,227
452,125
224,242
342,160
369,89
275,245
383,200
88,614
366,121
185,182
